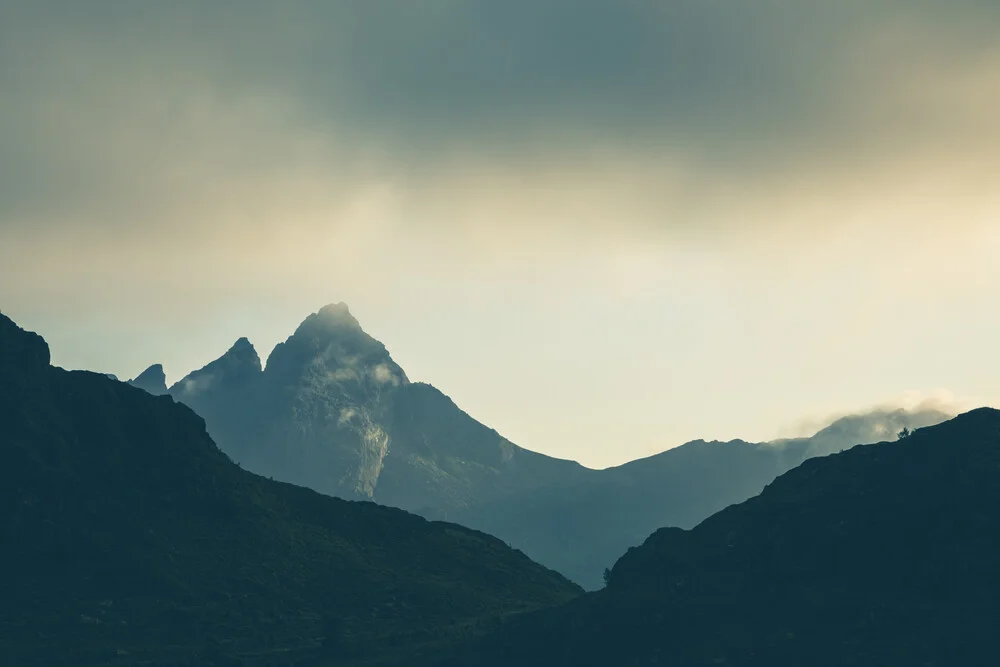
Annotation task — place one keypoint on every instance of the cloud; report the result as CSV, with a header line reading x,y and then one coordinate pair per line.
x,y
342,374
913,409
228,119
382,374
346,415
196,385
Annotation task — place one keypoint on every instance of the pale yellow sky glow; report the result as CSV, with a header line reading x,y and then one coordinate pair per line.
x,y
621,243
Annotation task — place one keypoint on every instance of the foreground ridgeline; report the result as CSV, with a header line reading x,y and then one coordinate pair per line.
x,y
881,555
332,410
130,539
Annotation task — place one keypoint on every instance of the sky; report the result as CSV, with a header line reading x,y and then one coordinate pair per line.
x,y
602,227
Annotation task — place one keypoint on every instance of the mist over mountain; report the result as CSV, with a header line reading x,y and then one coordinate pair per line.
x,y
333,411
880,555
876,425
131,539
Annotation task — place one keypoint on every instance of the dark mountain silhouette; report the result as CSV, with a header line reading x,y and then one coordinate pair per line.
x,y
130,539
333,411
880,555
152,380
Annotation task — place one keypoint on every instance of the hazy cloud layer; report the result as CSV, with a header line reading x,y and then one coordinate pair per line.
x,y
142,114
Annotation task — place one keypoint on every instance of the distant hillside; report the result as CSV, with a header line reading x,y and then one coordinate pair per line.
x,y
581,529
130,539
880,555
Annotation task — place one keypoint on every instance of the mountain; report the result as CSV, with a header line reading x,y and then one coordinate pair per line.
x,y
130,539
880,555
581,529
152,380
333,411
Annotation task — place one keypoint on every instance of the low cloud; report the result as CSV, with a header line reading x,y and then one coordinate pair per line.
x,y
346,415
191,386
383,374
887,417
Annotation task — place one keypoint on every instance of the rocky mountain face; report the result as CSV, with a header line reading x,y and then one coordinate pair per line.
x,y
333,411
880,555
130,539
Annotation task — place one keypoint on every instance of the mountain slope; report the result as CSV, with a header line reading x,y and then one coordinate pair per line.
x,y
582,529
880,555
129,538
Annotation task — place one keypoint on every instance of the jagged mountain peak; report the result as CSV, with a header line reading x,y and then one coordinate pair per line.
x,y
243,344
244,353
335,313
238,366
152,380
331,345
332,320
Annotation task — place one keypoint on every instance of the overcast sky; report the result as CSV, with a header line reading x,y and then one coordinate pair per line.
x,y
602,227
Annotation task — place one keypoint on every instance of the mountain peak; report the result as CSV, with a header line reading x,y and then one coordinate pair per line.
x,y
338,309
152,380
21,351
242,343
243,349
332,343
331,316
238,366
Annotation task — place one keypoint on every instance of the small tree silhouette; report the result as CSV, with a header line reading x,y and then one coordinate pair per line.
x,y
905,433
